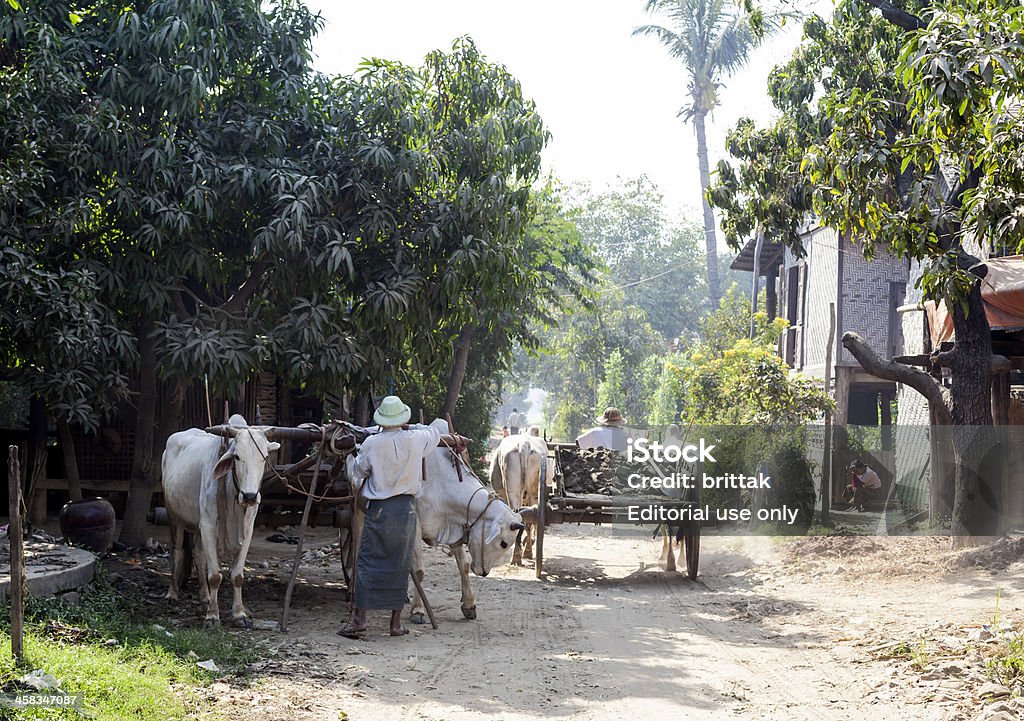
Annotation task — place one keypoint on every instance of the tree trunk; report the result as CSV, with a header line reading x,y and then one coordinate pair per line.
x,y
140,491
710,236
970,408
458,373
67,447
361,416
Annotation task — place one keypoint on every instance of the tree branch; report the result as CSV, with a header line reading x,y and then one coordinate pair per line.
x,y
248,289
891,371
899,18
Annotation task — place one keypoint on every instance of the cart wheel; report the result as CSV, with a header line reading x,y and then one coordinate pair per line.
x,y
691,542
538,551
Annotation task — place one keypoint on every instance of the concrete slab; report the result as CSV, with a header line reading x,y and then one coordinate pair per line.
x,y
50,569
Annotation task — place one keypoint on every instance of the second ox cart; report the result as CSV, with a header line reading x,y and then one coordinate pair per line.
x,y
567,500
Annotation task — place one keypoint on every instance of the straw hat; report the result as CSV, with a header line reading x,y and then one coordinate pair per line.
x,y
392,412
611,417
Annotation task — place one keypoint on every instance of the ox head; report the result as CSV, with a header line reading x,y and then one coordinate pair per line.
x,y
246,457
492,539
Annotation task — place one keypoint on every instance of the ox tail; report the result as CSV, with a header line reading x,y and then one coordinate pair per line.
x,y
525,449
496,475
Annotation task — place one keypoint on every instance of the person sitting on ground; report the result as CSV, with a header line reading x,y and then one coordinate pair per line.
x,y
390,465
864,485
610,434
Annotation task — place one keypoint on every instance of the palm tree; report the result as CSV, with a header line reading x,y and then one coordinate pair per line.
x,y
713,39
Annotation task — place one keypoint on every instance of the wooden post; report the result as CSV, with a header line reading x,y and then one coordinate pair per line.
x,y
67,447
826,460
14,534
302,538
1001,399
840,439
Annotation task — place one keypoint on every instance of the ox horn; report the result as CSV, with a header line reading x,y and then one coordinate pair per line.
x,y
225,431
517,526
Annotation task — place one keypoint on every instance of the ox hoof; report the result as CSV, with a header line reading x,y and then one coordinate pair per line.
x,y
419,618
210,622
528,554
172,595
517,560
469,613
243,622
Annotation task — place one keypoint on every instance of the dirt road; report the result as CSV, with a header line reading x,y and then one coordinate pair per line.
x,y
827,629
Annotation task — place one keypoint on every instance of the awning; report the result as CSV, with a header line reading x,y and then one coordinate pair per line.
x,y
1002,291
771,256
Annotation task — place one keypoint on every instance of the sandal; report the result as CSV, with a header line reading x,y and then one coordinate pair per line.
x,y
349,632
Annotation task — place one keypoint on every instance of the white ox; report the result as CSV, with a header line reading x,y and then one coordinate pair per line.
x,y
214,492
457,512
518,467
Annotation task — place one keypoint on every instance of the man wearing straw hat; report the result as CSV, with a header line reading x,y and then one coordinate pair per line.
x,y
610,434
389,464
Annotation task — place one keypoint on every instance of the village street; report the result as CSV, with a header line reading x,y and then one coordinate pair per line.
x,y
814,628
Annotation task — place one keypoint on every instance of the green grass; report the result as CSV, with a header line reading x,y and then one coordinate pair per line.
x,y
1008,667
122,661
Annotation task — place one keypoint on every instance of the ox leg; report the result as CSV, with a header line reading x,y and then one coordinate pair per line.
x,y
239,613
417,614
179,570
528,542
208,534
468,597
200,561
668,555
531,500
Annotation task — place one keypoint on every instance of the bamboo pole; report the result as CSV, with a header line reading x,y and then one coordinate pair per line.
x,y
14,535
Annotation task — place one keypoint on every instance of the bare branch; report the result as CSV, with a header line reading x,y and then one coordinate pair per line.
x,y
248,289
887,369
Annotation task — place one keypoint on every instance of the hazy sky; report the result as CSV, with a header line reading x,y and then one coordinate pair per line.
x,y
609,99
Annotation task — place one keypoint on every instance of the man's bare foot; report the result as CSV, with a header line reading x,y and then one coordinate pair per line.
x,y
396,623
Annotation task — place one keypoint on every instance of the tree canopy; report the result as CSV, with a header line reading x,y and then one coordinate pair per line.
x,y
901,129
182,194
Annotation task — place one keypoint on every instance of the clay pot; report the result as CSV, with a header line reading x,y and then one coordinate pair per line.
x,y
88,523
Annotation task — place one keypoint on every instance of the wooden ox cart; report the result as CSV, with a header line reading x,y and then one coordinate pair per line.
x,y
558,505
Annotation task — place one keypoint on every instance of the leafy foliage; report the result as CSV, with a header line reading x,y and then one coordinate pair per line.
x,y
712,39
176,174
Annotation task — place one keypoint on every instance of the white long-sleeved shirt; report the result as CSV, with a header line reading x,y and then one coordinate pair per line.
x,y
869,478
390,461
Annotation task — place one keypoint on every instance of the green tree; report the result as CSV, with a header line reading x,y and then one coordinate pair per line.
x,y
712,39
908,135
654,261
195,199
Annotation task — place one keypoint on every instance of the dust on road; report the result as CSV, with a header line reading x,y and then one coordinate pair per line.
x,y
772,629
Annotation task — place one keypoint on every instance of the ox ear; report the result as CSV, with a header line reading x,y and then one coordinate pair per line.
x,y
493,531
273,446
224,464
